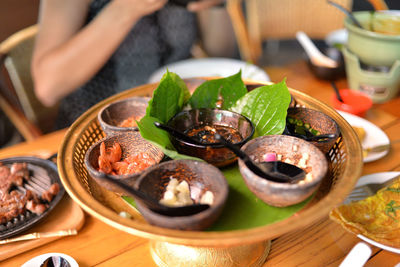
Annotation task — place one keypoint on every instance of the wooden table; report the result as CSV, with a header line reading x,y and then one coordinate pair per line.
x,y
324,243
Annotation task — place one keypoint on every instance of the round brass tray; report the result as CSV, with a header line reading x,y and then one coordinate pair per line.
x,y
345,166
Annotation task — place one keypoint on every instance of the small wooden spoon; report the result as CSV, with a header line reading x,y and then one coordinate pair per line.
x,y
276,171
155,205
177,133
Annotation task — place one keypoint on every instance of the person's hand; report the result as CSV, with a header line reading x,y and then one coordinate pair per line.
x,y
143,7
203,4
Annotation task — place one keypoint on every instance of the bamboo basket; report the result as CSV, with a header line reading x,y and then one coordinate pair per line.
x,y
248,247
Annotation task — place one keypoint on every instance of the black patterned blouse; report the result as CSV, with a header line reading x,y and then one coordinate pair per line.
x,y
157,39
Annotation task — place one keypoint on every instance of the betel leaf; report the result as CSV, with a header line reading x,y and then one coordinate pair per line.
x,y
151,133
168,98
159,138
243,205
228,90
266,107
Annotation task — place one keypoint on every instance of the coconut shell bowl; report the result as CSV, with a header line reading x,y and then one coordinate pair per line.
x,y
212,151
241,247
291,150
200,176
120,116
319,122
131,144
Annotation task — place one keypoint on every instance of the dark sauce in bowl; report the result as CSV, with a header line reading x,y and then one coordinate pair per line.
x,y
202,125
206,134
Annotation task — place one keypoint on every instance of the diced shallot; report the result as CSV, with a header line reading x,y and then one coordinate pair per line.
x,y
269,157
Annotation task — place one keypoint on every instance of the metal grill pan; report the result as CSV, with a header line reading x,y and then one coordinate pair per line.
x,y
43,173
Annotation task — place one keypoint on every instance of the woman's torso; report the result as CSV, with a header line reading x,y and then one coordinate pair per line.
x,y
158,39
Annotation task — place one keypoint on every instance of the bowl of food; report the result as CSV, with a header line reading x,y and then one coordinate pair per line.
x,y
290,150
202,124
345,163
354,102
121,116
378,42
122,156
183,182
327,72
309,124
30,190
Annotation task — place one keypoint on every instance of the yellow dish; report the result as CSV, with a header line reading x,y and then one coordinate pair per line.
x,y
376,217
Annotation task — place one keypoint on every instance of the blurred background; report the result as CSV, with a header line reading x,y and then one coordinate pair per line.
x,y
17,15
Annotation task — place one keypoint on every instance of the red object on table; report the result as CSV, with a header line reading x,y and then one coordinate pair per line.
x,y
354,102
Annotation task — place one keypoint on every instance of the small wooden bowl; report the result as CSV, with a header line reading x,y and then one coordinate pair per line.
x,y
318,121
329,73
131,143
112,115
200,176
214,153
283,194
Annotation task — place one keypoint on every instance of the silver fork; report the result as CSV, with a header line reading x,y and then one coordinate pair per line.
x,y
367,190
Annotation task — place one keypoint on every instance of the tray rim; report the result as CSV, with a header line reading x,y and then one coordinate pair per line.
x,y
353,169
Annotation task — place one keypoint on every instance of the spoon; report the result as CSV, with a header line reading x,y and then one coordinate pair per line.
x,y
338,96
276,171
177,133
155,205
318,137
316,56
347,12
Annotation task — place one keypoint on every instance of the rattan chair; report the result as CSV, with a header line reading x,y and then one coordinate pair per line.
x,y
281,19
17,98
379,4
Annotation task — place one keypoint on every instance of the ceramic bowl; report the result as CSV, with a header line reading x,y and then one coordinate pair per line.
x,y
372,48
318,121
354,102
131,143
213,153
293,149
114,116
200,176
328,73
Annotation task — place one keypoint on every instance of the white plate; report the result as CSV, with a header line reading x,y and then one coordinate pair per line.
x,y
391,12
36,261
380,177
210,67
374,135
337,37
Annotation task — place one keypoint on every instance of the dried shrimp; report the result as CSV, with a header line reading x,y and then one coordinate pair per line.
x,y
111,162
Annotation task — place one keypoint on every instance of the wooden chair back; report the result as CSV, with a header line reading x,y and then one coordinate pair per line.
x,y
255,21
18,99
